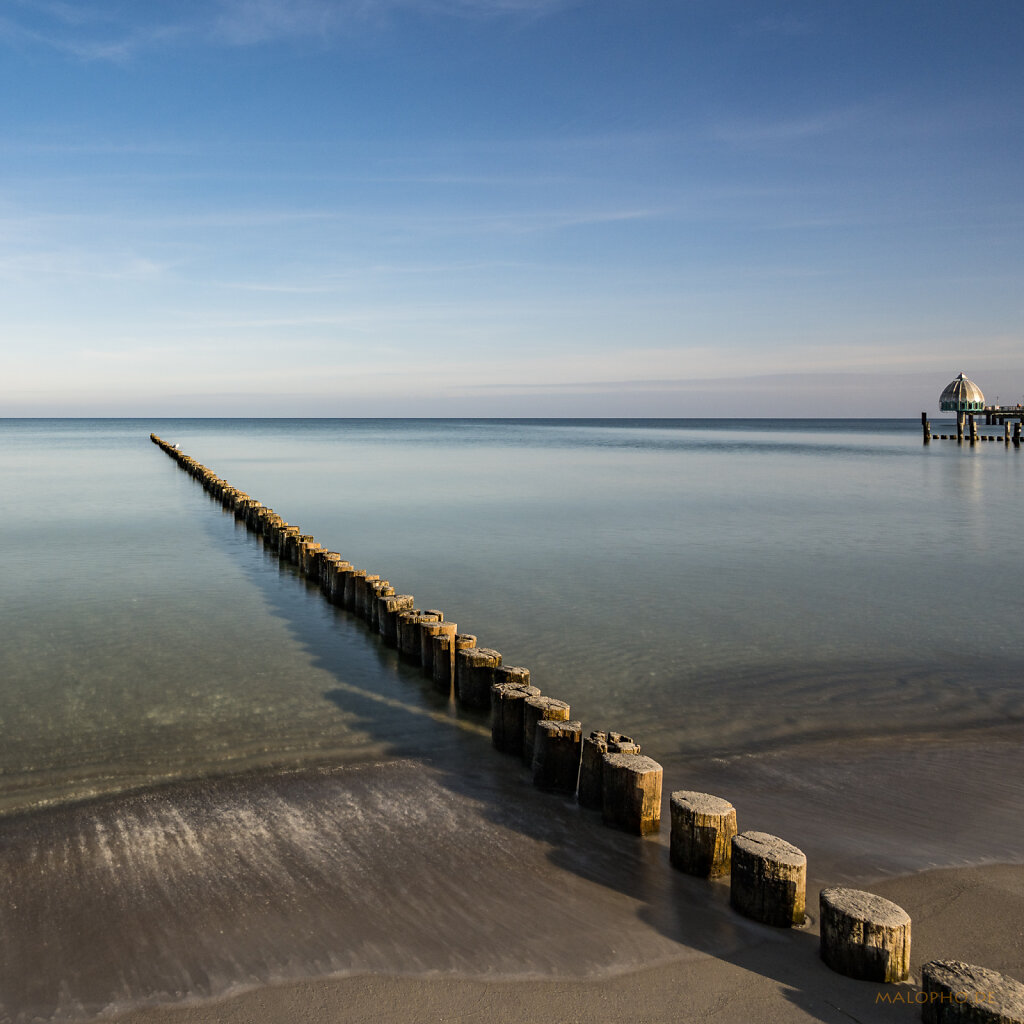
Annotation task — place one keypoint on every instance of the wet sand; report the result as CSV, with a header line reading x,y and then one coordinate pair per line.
x,y
770,977
449,889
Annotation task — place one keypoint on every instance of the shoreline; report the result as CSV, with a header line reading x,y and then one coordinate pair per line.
x,y
397,875
776,976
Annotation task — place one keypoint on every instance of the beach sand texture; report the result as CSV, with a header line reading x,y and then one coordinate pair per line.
x,y
403,891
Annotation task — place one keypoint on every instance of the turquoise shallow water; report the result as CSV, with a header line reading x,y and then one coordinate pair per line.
x,y
718,587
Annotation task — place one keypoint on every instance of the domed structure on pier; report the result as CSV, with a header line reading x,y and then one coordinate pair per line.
x,y
962,395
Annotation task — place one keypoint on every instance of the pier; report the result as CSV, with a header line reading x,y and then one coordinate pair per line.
x,y
965,398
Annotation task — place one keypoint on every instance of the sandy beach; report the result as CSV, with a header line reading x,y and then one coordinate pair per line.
x,y
452,890
771,977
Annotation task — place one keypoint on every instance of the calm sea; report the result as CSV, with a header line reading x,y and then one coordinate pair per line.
x,y
710,586
819,620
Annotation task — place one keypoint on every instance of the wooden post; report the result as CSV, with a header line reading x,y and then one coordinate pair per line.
x,y
556,756
1016,433
864,936
926,427
507,706
409,632
537,709
1006,433
382,588
390,609
702,831
445,648
429,631
474,674
360,589
959,993
631,793
769,879
595,746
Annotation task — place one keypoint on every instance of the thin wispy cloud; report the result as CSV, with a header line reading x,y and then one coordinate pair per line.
x,y
787,130
80,264
248,22
98,32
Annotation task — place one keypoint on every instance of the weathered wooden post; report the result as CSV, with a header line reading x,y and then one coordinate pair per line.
x,y
1006,433
429,631
537,709
631,793
390,609
307,558
926,427
864,936
360,586
595,746
382,588
556,756
287,539
408,624
474,675
351,586
328,560
769,879
272,527
702,829
336,581
1016,433
507,706
443,669
959,993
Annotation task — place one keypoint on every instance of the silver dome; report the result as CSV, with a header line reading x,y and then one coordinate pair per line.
x,y
962,395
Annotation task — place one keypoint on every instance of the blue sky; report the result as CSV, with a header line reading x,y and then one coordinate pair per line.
x,y
508,207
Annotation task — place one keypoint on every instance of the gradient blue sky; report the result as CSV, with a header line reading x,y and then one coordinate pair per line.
x,y
508,207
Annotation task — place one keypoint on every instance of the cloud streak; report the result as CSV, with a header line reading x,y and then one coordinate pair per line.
x,y
104,34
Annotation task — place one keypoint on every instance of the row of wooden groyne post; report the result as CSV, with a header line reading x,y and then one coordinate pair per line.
x,y
862,934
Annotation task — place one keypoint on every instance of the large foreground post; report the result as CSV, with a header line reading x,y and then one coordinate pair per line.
x,y
631,798
864,936
769,879
702,829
